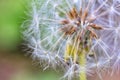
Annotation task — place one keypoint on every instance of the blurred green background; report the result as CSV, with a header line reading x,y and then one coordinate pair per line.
x,y
14,64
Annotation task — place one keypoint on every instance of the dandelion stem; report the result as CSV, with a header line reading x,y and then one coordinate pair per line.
x,y
72,51
82,62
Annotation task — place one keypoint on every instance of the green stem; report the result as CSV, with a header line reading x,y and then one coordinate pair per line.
x,y
82,62
72,51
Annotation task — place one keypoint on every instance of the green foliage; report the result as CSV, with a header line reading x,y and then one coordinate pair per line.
x,y
11,17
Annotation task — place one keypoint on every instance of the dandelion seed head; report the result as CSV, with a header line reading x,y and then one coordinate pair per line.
x,y
61,31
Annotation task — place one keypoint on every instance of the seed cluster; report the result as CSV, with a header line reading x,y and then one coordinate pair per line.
x,y
80,23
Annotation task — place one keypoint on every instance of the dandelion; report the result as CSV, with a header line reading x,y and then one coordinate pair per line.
x,y
81,36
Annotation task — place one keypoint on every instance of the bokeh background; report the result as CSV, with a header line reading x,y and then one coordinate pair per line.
x,y
14,63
